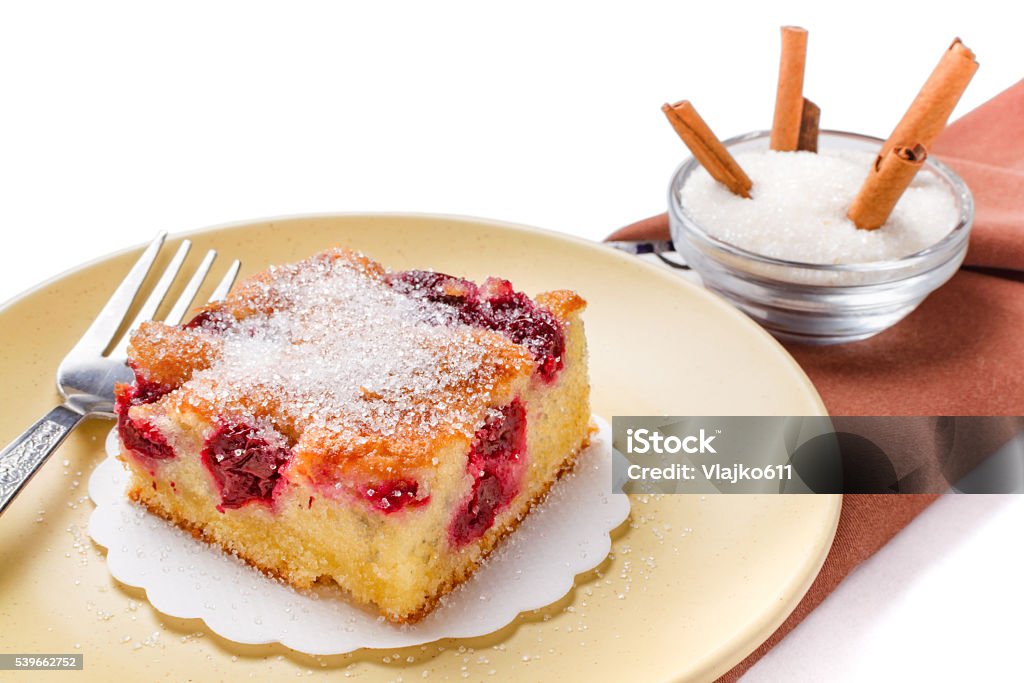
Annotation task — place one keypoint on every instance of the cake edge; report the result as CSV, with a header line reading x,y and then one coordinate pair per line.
x,y
567,465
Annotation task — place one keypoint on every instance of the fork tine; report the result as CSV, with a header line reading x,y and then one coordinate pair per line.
x,y
156,297
224,286
184,301
104,327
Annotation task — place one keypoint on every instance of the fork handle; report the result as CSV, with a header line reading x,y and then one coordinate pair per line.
x,y
23,457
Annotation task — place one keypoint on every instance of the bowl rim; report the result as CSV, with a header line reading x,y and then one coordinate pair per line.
x,y
941,251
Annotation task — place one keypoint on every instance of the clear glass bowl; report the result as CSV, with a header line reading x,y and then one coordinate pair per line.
x,y
820,303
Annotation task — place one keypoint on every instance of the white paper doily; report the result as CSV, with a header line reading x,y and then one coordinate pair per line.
x,y
184,577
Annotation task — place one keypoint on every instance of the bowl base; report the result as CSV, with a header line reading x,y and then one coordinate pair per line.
x,y
791,337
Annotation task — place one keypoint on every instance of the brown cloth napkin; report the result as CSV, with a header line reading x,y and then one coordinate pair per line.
x,y
960,353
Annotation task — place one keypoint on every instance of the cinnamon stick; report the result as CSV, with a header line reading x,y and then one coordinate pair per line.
x,y
932,107
789,98
707,149
885,184
809,119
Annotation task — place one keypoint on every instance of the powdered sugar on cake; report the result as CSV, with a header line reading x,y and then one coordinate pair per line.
x,y
327,347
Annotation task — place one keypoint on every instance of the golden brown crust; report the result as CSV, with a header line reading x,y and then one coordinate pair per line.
x,y
562,302
259,293
168,354
332,454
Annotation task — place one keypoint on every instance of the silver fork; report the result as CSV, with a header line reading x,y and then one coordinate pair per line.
x,y
87,375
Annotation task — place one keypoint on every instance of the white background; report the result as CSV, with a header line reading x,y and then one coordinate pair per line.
x,y
118,120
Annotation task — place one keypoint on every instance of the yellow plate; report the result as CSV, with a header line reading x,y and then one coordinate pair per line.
x,y
693,585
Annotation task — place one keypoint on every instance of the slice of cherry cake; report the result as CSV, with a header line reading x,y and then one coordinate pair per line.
x,y
334,421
